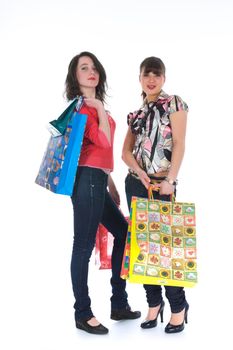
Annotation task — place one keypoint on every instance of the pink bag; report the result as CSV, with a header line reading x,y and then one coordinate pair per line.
x,y
103,248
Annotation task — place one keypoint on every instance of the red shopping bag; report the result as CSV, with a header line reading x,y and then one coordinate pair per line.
x,y
103,248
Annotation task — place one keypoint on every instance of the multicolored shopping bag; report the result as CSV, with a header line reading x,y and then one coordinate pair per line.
x,y
126,256
161,244
59,165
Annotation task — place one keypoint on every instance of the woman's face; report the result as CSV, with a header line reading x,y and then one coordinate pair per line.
x,y
151,83
86,73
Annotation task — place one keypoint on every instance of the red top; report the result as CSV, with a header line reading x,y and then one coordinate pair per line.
x,y
96,150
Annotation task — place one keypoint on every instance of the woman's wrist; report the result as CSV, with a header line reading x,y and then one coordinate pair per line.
x,y
170,181
139,171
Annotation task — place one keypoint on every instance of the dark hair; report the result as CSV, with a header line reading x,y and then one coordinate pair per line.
x,y
72,85
154,65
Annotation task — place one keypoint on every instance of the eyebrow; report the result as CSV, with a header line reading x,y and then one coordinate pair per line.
x,y
154,71
86,64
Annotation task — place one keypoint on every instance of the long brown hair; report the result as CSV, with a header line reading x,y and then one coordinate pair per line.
x,y
72,85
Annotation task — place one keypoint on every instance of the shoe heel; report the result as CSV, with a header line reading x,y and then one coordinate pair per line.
x,y
186,314
161,311
161,315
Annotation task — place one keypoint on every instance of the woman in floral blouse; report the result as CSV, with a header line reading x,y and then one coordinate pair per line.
x,y
153,150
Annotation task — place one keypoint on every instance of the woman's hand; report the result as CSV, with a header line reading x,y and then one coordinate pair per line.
x,y
144,178
113,191
94,103
115,195
166,188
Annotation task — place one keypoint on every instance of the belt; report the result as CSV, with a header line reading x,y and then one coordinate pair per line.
x,y
161,175
156,177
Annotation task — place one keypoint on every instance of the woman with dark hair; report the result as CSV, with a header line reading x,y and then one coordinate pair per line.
x,y
92,202
153,150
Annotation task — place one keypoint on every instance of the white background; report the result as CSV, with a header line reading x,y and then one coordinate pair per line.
x,y
38,40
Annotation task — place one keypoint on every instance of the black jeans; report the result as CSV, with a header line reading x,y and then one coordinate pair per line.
x,y
92,205
175,295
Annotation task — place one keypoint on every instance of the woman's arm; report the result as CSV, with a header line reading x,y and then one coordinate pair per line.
x,y
178,125
128,158
113,191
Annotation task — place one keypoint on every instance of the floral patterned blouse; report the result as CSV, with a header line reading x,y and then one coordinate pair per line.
x,y
152,128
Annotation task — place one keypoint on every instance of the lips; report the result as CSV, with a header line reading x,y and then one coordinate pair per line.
x,y
151,87
91,78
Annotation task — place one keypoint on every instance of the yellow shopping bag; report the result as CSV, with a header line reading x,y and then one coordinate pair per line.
x,y
161,243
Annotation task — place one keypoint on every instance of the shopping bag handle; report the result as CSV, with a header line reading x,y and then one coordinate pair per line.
x,y
155,187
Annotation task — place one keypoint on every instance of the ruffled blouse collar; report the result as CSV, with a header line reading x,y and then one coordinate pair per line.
x,y
161,98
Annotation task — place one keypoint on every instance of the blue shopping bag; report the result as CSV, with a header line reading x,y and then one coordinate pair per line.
x,y
59,165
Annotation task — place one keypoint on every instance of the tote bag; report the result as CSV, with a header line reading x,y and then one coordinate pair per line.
x,y
161,243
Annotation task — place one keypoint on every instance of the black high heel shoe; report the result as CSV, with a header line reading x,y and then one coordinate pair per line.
x,y
153,323
170,328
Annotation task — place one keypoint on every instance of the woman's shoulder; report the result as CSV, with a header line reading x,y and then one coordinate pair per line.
x,y
132,116
175,103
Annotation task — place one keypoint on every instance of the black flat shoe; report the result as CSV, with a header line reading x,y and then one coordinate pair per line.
x,y
153,323
124,314
170,328
100,329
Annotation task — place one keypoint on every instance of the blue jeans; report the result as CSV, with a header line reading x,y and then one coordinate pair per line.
x,y
175,295
92,205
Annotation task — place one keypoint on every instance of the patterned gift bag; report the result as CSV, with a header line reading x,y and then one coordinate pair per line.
x,y
162,247
59,165
126,256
